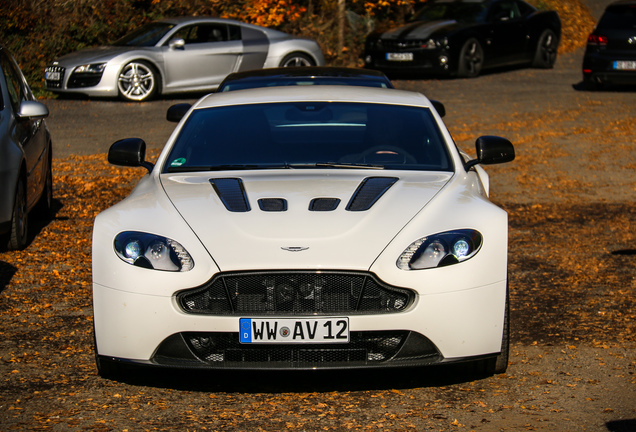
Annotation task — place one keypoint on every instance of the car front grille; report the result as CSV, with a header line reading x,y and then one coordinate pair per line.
x,y
57,70
399,45
288,293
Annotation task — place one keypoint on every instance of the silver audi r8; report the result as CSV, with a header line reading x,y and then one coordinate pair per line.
x,y
177,55
341,229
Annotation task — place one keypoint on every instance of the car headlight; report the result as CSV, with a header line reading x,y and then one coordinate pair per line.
x,y
435,43
440,250
91,68
152,251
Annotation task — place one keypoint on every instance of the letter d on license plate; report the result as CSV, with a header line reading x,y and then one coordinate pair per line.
x,y
294,330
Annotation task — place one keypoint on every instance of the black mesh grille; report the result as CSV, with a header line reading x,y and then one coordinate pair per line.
x,y
324,204
402,44
225,349
272,204
292,293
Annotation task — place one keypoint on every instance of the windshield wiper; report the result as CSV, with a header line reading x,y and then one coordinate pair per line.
x,y
348,165
227,167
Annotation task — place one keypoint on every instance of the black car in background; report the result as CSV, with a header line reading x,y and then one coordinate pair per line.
x,y
315,75
26,180
463,37
298,76
610,56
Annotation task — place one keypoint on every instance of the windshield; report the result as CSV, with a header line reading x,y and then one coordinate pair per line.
x,y
146,36
310,135
463,11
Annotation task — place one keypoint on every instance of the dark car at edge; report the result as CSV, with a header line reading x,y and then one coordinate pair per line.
x,y
610,55
464,37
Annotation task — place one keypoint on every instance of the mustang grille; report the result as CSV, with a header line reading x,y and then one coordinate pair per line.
x,y
292,293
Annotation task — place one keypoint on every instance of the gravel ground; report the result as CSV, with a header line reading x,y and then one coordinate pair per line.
x,y
571,197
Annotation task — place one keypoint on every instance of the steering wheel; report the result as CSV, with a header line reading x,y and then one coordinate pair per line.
x,y
386,154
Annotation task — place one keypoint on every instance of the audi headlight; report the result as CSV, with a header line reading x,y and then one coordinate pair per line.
x,y
440,250
152,251
91,68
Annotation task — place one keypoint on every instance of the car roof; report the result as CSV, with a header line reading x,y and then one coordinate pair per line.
x,y
321,74
323,93
311,71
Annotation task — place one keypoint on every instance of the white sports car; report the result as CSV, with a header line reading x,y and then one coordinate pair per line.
x,y
304,228
177,55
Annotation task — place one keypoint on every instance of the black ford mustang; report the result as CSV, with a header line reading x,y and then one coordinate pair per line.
x,y
463,37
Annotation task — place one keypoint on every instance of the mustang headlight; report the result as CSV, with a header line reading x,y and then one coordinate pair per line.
x,y
152,251
440,250
91,68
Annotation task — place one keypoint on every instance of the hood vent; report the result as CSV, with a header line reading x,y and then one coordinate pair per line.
x,y
232,194
369,191
272,204
324,204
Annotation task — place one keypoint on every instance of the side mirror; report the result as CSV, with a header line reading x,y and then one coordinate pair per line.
x,y
439,107
176,112
129,152
491,150
176,43
32,110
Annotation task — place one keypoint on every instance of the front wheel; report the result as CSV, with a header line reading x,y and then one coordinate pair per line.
x,y
138,81
471,59
546,53
297,60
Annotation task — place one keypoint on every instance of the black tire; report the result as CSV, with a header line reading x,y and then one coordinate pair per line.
x,y
546,52
297,59
19,233
501,361
44,207
471,59
138,81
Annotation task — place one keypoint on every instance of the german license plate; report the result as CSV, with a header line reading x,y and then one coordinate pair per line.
x,y
52,76
294,330
407,56
625,65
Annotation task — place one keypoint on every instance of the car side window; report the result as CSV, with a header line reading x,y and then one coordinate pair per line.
x,y
204,33
504,11
14,86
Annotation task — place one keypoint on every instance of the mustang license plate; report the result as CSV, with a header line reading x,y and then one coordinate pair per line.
x,y
407,56
294,330
625,65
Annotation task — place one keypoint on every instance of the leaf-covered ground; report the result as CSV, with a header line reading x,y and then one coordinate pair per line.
x,y
571,289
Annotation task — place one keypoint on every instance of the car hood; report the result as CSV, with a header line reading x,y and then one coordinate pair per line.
x,y
419,29
293,236
92,55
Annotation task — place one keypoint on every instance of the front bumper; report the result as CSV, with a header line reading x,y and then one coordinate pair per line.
x,y
437,328
429,62
102,84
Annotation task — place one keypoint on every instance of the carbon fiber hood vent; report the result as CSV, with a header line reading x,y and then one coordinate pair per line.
x,y
232,194
369,191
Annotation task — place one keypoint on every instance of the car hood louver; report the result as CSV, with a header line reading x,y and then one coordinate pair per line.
x,y
252,222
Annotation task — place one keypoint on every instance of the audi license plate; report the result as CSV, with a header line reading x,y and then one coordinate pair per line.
x,y
52,76
625,65
407,56
294,330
